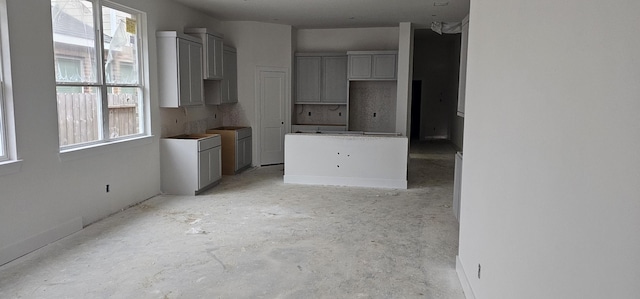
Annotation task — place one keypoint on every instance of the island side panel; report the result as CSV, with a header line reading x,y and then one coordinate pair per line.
x,y
346,160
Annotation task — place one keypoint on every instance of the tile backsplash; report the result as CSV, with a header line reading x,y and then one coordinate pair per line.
x,y
320,114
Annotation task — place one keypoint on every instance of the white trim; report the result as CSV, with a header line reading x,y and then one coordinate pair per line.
x,y
18,249
101,148
462,276
345,181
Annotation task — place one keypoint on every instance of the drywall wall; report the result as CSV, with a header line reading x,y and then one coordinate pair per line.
x,y
258,45
550,189
52,195
347,39
436,63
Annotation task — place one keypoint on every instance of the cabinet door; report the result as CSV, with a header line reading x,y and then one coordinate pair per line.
x,y
239,153
215,164
209,168
184,73
308,79
231,77
248,156
334,79
204,176
195,74
360,66
384,66
214,57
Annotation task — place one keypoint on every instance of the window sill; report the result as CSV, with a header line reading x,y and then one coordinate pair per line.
x,y
97,149
10,167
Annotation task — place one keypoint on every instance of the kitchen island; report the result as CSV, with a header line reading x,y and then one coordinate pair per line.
x,y
360,159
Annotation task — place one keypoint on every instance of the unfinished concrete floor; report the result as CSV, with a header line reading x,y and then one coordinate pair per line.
x,y
255,237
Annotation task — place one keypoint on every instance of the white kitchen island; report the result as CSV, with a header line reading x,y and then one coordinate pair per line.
x,y
359,159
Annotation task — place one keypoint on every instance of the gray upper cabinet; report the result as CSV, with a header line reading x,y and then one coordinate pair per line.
x,y
212,51
334,79
179,70
230,76
321,78
372,65
224,91
360,66
308,79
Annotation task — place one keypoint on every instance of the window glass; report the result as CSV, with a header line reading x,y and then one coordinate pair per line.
x,y
86,88
120,45
79,117
74,36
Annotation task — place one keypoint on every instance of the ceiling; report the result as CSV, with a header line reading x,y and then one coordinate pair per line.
x,y
306,14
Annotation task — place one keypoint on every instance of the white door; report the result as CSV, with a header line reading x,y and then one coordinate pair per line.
x,y
272,95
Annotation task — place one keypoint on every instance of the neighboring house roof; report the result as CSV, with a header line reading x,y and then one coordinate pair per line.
x,y
71,26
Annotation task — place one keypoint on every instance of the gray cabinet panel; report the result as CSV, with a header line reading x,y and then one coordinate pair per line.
x,y
334,79
308,79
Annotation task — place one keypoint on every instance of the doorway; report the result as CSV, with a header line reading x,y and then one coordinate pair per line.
x,y
272,104
416,100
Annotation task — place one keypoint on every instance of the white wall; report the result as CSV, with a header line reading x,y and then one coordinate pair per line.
x,y
258,45
50,197
551,194
347,39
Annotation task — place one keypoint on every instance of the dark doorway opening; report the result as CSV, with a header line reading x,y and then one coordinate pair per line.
x,y
416,100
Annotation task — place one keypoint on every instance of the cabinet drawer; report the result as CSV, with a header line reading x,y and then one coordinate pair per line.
x,y
205,144
243,133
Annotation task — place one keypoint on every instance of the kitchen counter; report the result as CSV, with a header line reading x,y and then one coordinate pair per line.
x,y
348,159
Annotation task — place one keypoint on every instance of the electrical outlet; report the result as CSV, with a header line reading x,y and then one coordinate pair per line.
x,y
339,113
374,114
107,188
309,113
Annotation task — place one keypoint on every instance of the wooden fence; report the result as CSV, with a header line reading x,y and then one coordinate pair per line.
x,y
78,120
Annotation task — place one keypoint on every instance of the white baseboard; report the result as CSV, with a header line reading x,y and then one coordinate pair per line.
x,y
18,249
462,276
345,181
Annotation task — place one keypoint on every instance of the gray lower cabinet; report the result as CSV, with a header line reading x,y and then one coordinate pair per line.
x,y
236,148
190,164
243,153
373,65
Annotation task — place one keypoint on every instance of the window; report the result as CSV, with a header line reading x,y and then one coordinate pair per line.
x,y
97,49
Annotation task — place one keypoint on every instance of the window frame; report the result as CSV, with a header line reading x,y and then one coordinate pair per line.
x,y
4,131
103,86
